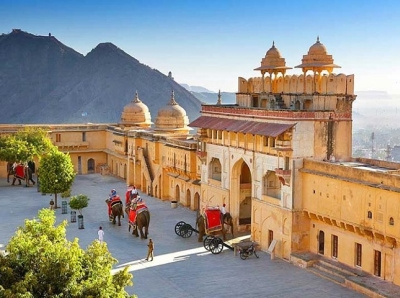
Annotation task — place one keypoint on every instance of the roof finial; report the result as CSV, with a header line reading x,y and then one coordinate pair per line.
x,y
317,38
273,43
219,101
173,102
136,97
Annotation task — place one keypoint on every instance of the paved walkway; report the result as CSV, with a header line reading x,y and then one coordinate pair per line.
x,y
181,267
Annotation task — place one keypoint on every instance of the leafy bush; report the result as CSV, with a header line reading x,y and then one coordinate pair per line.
x,y
41,262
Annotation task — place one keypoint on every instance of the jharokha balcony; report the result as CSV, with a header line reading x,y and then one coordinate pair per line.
x,y
283,175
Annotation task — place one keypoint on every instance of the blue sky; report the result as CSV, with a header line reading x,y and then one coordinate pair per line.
x,y
212,43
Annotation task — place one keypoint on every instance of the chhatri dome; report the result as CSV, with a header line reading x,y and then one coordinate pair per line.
x,y
273,61
136,113
172,118
317,59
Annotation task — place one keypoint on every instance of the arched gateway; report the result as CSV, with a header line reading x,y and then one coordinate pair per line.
x,y
241,194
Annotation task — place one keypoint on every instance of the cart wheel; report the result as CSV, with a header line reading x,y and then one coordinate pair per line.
x,y
243,255
178,227
216,245
186,231
207,242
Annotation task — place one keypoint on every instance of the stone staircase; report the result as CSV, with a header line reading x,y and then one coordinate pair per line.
x,y
330,271
346,276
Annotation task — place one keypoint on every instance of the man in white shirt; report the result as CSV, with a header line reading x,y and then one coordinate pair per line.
x,y
101,234
223,210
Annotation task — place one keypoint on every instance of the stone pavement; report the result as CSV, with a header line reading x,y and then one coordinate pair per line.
x,y
181,267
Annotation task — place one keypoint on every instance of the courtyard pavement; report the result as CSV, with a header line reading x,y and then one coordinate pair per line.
x,y
182,268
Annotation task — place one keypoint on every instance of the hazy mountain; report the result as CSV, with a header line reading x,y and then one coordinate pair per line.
x,y
195,88
44,81
212,98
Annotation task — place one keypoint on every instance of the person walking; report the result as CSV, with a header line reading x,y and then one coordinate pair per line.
x,y
101,234
150,250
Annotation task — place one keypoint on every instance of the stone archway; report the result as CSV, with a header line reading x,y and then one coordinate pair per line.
x,y
196,201
91,166
241,194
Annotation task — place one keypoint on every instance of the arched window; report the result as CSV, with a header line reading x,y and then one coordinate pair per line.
x,y
369,214
391,221
215,169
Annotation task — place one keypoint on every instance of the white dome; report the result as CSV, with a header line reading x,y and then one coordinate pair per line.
x,y
172,117
136,113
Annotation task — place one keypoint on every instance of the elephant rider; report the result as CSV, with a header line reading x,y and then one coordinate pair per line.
x,y
134,193
136,201
128,195
113,197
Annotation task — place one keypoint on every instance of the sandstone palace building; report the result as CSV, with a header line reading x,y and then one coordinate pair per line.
x,y
280,159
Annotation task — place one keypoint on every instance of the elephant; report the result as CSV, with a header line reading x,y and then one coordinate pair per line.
x,y
227,226
117,210
141,223
19,172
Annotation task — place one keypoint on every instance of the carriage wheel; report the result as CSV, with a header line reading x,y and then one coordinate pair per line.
x,y
216,245
186,231
243,255
207,242
178,227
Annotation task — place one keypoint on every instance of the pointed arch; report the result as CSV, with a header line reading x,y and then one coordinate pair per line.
x,y
91,166
241,192
215,169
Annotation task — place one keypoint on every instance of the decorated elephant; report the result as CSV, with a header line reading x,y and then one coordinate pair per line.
x,y
139,219
19,172
117,210
227,226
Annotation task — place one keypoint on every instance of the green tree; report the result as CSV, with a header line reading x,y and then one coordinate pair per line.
x,y
41,262
25,145
56,173
79,202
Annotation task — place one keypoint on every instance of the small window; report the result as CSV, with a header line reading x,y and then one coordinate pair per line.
x,y
335,242
369,214
84,136
58,137
358,254
391,221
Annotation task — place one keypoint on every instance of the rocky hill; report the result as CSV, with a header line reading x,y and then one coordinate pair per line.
x,y
45,81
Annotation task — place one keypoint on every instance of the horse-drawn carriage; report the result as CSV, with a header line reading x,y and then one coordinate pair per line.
x,y
211,224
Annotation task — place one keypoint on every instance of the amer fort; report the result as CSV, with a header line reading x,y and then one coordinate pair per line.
x,y
280,158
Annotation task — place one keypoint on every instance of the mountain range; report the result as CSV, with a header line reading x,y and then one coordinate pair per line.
x,y
44,81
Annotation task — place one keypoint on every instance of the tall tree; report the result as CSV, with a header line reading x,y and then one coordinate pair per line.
x,y
56,173
25,145
41,262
